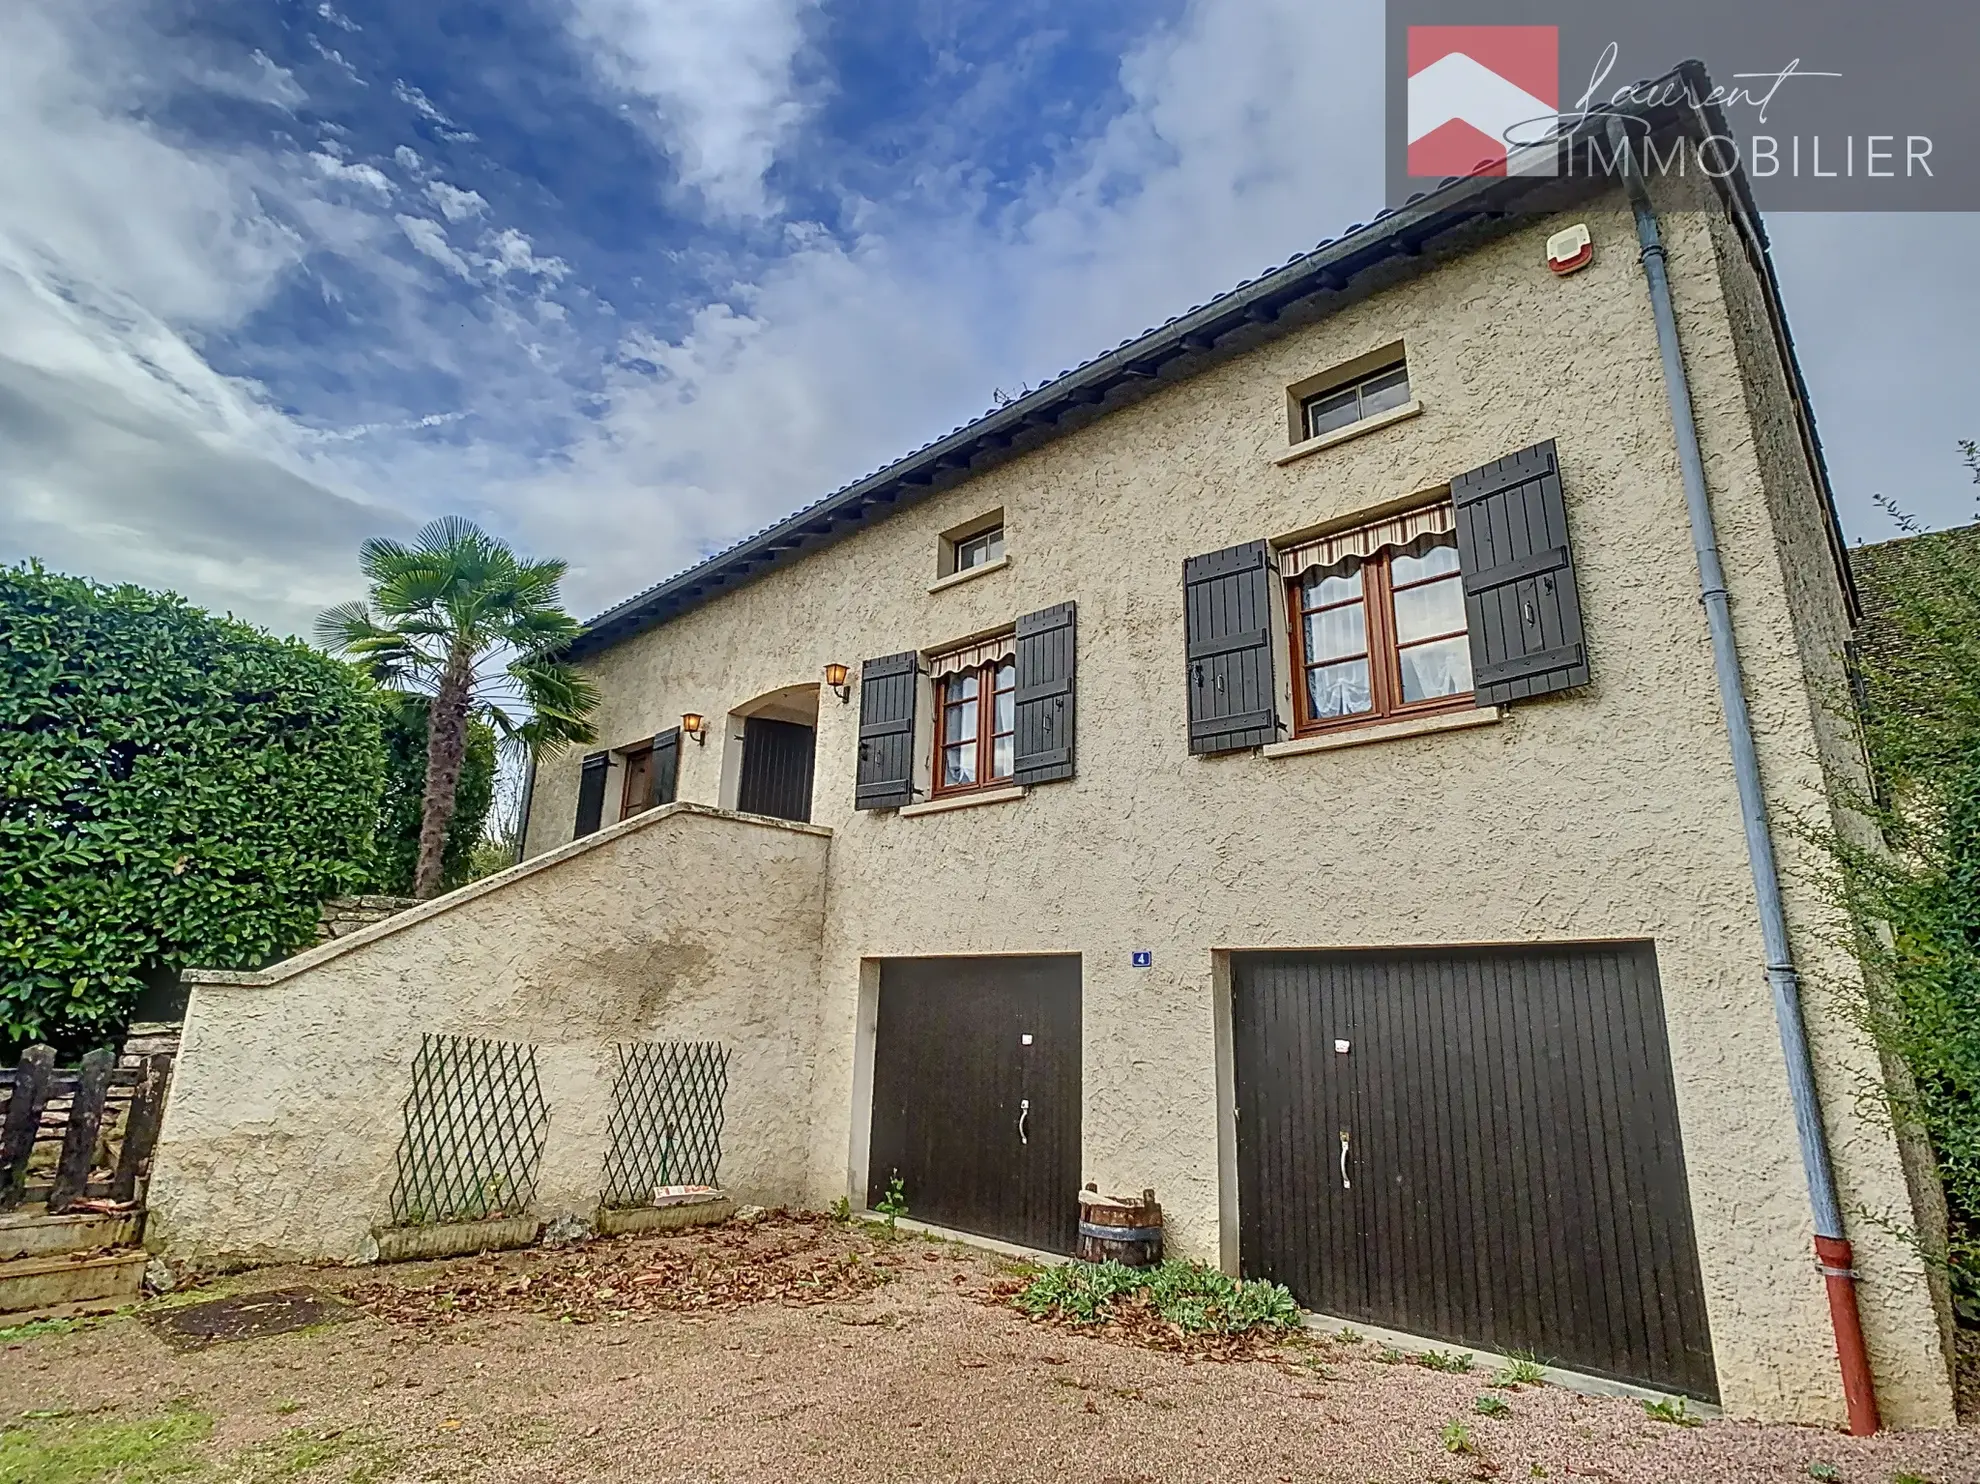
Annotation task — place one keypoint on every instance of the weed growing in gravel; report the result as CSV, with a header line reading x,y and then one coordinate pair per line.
x,y
287,1407
1456,1438
139,1452
1907,1477
1828,1473
1492,1406
1444,1360
1390,1355
893,1205
842,1211
1195,1298
1671,1409
1348,1336
1520,1370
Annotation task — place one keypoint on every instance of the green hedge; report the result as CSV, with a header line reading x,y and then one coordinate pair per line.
x,y
176,790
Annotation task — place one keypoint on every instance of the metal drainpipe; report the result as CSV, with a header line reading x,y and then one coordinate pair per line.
x,y
1833,1258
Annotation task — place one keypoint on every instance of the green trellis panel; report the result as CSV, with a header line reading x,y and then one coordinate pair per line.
x,y
666,1125
475,1127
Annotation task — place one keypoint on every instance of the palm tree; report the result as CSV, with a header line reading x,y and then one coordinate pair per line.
x,y
457,616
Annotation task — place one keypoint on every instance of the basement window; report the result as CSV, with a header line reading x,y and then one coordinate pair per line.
x,y
1330,411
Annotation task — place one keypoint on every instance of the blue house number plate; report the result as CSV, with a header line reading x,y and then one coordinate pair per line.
x,y
1144,958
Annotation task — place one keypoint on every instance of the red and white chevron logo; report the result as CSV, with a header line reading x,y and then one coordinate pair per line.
x,y
1473,88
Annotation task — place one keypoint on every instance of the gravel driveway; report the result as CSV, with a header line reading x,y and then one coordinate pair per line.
x,y
801,1350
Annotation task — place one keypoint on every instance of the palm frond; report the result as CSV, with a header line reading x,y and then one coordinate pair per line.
x,y
344,625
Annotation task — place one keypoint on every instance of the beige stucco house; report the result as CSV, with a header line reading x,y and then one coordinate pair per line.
x,y
1279,763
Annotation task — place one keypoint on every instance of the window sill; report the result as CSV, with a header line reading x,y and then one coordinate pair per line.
x,y
970,574
1352,430
1388,731
964,801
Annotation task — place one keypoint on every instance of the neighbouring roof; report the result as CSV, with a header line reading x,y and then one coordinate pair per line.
x,y
1882,567
1398,244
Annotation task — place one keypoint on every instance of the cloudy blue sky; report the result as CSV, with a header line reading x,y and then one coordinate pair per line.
x,y
626,279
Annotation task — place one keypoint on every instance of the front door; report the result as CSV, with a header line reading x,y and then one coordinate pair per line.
x,y
1473,1145
776,769
976,1088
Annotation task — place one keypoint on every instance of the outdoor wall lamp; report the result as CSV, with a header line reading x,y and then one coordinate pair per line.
x,y
836,677
695,726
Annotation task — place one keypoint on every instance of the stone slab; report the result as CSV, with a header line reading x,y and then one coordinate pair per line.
x,y
37,1234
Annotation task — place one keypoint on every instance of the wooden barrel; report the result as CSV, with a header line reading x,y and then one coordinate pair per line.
x,y
1123,1229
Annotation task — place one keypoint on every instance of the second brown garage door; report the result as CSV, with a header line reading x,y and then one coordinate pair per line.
x,y
1474,1145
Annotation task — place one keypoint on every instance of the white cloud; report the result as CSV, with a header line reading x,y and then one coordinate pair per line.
x,y
515,254
430,239
718,76
455,204
367,177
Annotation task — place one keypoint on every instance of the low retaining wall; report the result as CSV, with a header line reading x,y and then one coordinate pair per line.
x,y
286,1111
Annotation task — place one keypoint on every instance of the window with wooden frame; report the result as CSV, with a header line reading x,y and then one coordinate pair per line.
x,y
975,716
1378,627
637,795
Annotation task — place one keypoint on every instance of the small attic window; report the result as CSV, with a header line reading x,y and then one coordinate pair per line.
x,y
1330,411
974,546
981,549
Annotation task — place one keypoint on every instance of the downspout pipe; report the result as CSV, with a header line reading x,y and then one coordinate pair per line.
x,y
1833,1258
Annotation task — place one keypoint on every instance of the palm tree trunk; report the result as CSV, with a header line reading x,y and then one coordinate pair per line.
x,y
446,746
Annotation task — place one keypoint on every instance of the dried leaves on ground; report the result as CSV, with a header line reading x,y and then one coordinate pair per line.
x,y
797,1259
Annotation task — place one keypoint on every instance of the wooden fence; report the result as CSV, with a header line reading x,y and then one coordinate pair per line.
x,y
84,1134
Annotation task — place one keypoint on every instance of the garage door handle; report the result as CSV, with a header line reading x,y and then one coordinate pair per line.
x,y
1024,1112
1346,1184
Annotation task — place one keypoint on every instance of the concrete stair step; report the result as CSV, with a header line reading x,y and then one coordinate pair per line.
x,y
70,1278
34,1233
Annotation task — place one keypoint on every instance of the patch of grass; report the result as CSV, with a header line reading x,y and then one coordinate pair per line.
x,y
1520,1370
1444,1360
1195,1298
62,1452
288,1407
1492,1406
301,1450
1671,1409
33,1329
1907,1477
1456,1438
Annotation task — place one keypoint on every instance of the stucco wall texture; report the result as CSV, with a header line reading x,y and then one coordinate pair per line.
x,y
1609,812
683,924
1606,813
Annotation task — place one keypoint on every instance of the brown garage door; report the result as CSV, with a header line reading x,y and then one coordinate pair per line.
x,y
976,1095
1478,1146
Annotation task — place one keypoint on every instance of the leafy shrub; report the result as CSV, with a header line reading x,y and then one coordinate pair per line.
x,y
175,790
1916,906
1192,1296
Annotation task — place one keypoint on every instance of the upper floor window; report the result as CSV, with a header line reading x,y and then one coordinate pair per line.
x,y
1378,626
1341,407
975,716
982,548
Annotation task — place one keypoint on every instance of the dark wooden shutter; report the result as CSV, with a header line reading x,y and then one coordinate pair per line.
x,y
1520,600
887,691
1043,747
1230,602
666,767
591,793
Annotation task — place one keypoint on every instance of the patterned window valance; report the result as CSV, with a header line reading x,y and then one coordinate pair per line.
x,y
983,652
1365,541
